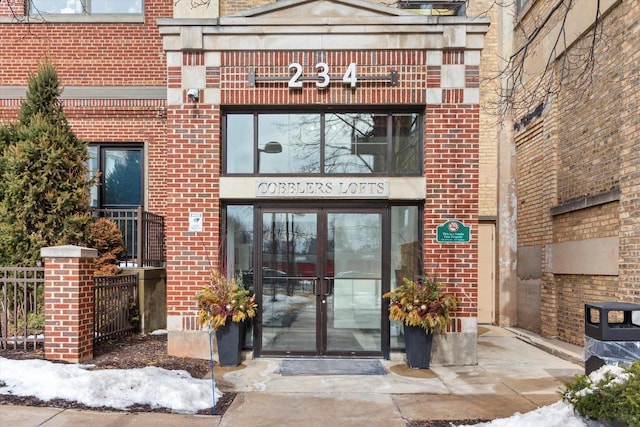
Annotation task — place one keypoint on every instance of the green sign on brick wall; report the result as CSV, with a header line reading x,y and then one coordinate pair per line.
x,y
453,232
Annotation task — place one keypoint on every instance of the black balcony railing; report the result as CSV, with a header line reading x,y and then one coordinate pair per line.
x,y
143,235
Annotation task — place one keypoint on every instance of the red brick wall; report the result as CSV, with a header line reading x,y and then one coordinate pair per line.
x,y
68,305
87,54
135,121
409,64
451,156
192,173
451,171
98,54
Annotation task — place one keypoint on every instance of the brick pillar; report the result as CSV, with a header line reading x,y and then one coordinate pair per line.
x,y
68,303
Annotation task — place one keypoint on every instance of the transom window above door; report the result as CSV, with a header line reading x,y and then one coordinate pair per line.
x,y
325,143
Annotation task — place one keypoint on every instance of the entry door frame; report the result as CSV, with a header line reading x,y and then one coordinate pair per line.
x,y
322,209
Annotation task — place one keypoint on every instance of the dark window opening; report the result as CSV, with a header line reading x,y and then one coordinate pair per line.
x,y
120,170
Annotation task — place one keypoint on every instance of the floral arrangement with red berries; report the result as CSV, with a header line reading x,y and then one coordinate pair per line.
x,y
421,303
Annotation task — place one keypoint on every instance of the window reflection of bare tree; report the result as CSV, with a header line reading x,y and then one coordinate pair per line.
x,y
353,142
284,239
299,135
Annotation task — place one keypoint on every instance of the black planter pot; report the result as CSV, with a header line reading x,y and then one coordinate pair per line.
x,y
417,343
229,338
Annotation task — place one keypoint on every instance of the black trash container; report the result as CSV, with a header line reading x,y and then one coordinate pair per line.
x,y
612,334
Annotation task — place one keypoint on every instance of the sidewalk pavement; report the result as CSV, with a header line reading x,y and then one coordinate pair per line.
x,y
517,371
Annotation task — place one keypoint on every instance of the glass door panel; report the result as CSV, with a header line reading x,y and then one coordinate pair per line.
x,y
354,272
289,282
122,178
321,282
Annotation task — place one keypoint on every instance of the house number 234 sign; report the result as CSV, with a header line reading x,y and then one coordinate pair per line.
x,y
322,76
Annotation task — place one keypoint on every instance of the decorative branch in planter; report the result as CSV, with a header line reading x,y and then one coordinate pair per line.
x,y
224,305
423,308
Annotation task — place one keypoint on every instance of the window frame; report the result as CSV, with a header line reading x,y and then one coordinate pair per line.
x,y
100,163
390,111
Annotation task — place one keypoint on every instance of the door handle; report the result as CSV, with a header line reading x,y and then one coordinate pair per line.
x,y
328,286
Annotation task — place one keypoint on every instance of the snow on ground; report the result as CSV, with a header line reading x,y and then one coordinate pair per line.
x,y
116,388
560,414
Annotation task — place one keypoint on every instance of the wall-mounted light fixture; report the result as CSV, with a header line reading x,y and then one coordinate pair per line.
x,y
193,95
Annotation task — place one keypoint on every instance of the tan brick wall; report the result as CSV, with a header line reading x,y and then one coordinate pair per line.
x,y
489,70
574,291
591,223
588,145
629,283
590,120
535,190
534,183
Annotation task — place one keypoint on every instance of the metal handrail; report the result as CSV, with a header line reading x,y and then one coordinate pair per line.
x,y
142,234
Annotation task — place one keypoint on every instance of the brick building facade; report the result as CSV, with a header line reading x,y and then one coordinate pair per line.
x,y
219,65
172,82
578,190
550,194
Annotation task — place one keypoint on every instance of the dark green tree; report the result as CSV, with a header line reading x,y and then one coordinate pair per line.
x,y
44,195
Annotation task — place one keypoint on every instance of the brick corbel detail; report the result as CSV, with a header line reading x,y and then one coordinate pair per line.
x,y
68,303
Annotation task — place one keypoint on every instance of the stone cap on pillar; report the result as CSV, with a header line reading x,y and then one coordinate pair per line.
x,y
68,251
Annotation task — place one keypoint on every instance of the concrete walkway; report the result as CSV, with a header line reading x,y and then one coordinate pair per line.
x,y
517,372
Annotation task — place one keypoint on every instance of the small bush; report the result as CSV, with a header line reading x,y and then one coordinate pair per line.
x,y
608,394
106,238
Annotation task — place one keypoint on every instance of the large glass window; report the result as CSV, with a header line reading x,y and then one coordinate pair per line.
x,y
239,143
407,142
239,243
379,143
435,7
120,171
356,143
85,7
406,255
288,143
238,260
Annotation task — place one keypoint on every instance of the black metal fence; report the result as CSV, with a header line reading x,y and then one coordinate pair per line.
x,y
143,235
21,307
116,310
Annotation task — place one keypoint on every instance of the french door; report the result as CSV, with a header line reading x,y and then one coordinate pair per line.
x,y
320,281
